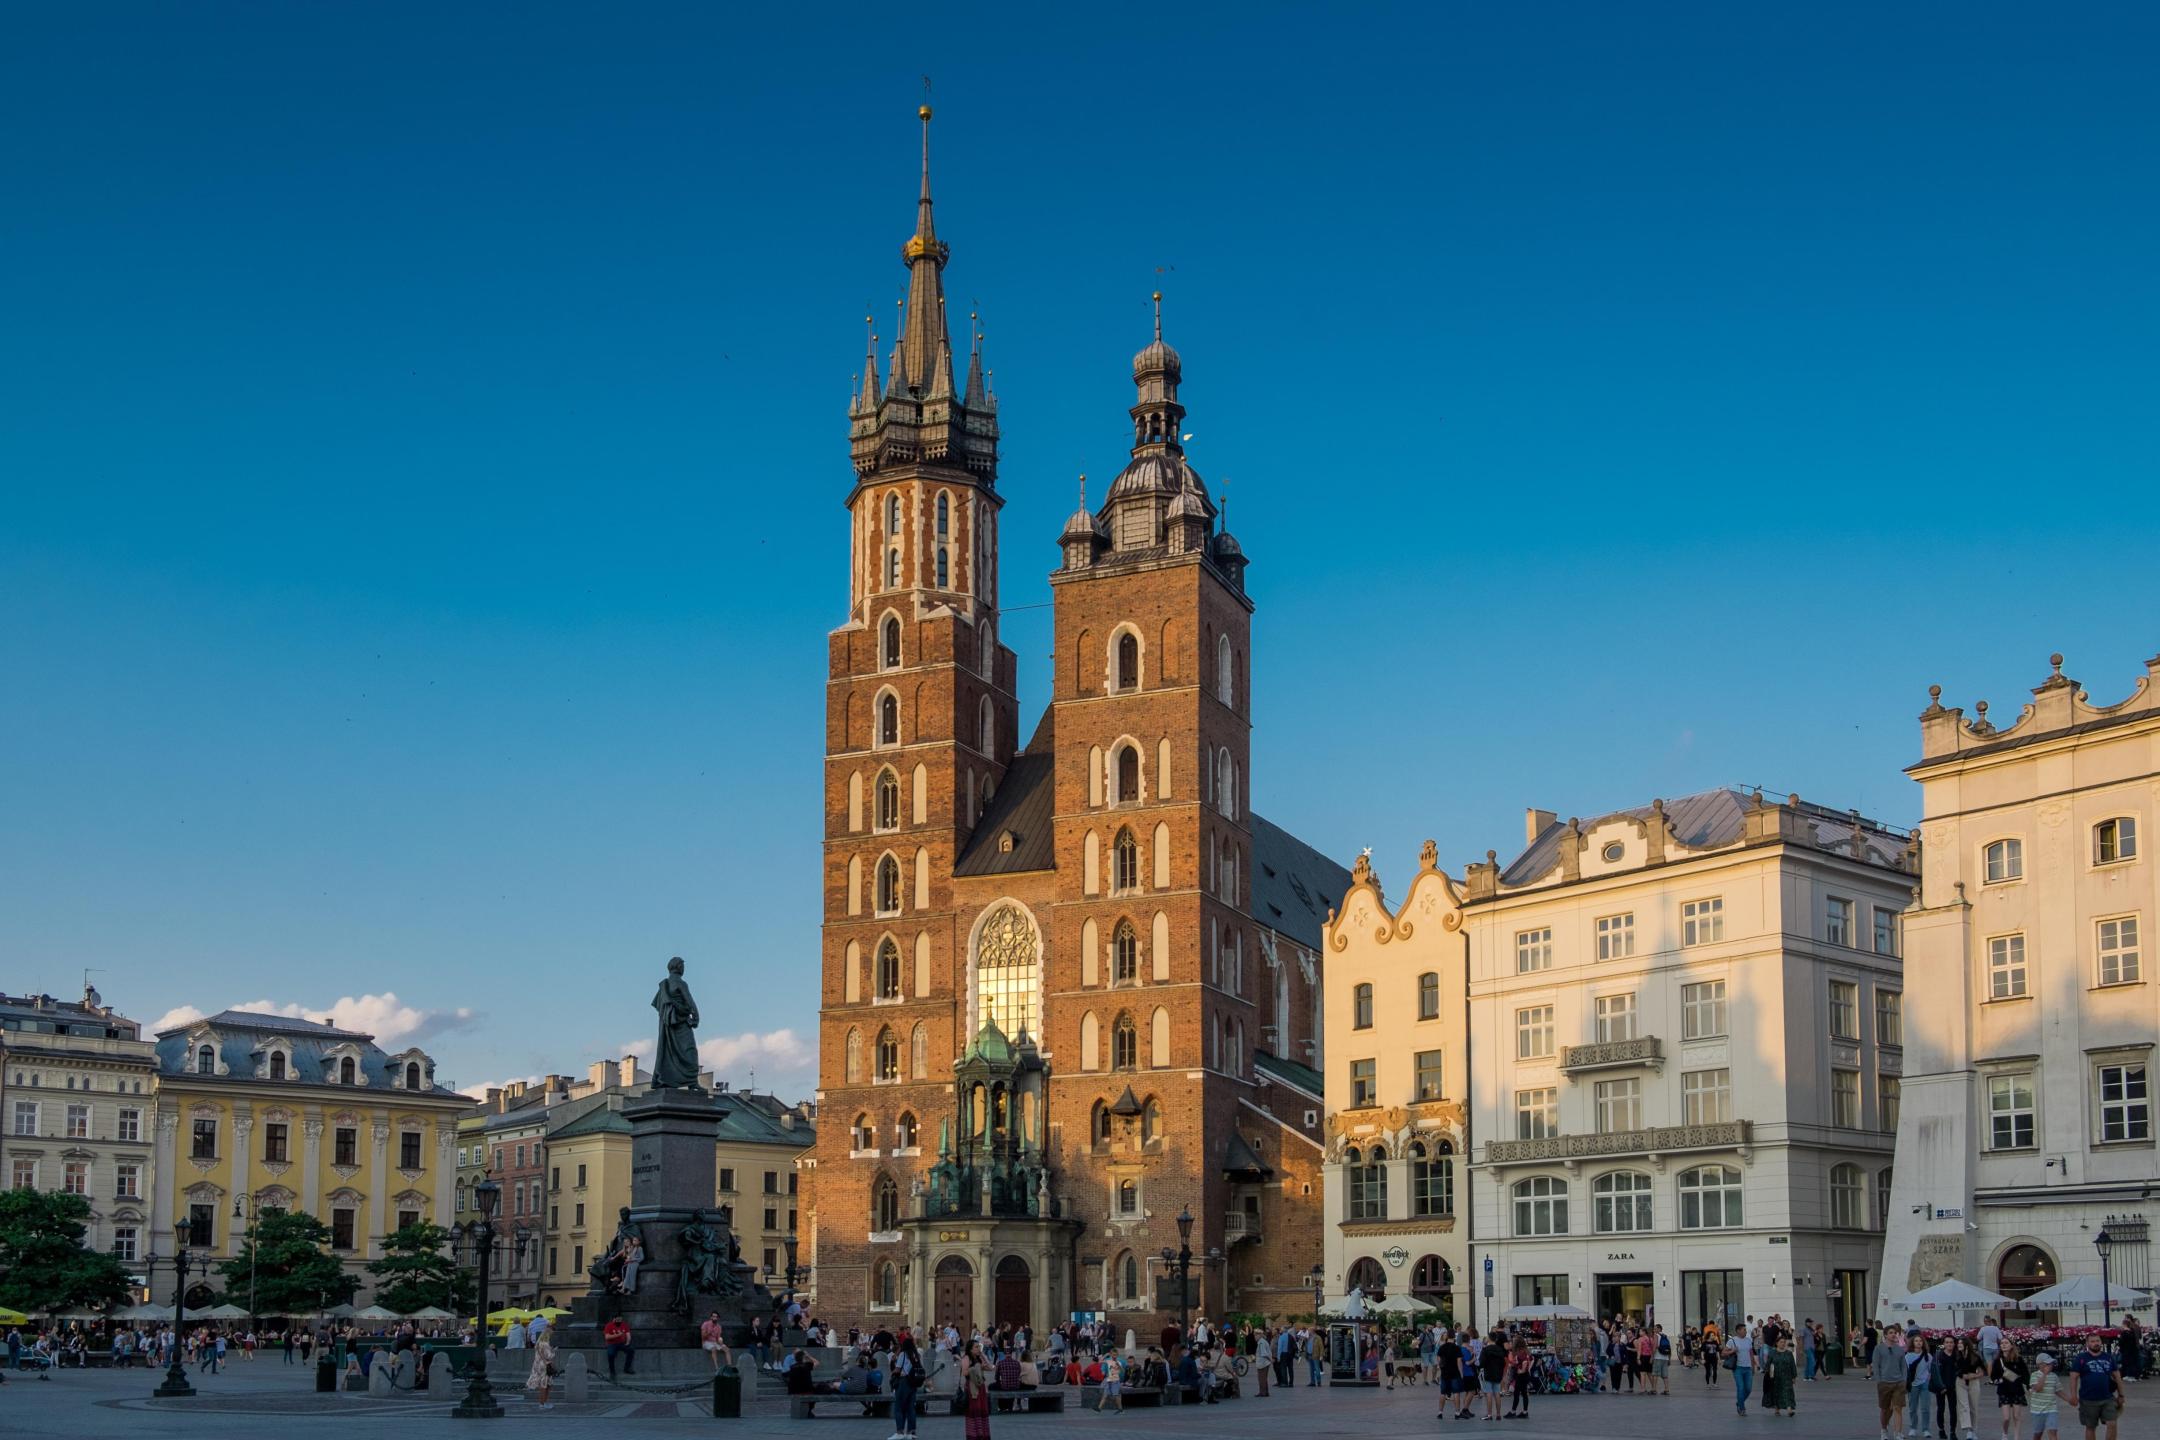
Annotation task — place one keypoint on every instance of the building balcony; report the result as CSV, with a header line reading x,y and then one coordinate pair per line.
x,y
1614,1055
1659,1140
1238,1225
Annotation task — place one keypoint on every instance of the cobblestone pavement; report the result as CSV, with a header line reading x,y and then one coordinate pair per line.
x,y
268,1398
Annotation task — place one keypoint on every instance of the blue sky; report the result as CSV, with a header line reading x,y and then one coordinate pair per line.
x,y
423,440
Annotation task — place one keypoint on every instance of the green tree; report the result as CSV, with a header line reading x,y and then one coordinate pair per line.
x,y
43,1264
416,1271
287,1252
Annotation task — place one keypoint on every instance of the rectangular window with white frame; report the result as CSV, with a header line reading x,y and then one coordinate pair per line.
x,y
1537,1113
1615,1018
2117,951
1702,922
1615,936
1844,1010
2010,1111
2115,840
78,1122
127,1181
2125,1102
26,1117
1430,1084
22,1173
1706,1096
1619,1106
130,1125
1838,924
1889,1018
1845,1099
1886,923
1702,1010
1534,1032
124,1244
1533,950
2006,967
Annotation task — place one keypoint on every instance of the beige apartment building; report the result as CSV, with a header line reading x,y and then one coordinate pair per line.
x,y
1397,1087
2027,1128
77,1089
1688,1023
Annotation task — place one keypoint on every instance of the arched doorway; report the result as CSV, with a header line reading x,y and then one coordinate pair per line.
x,y
1013,1292
1365,1274
199,1296
1432,1281
953,1294
2024,1269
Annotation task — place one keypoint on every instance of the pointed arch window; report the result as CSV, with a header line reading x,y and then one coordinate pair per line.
x,y
1225,687
1124,1044
888,1056
892,514
854,1070
1150,1121
906,1134
1124,954
1128,660
888,719
1129,1278
1127,775
887,813
888,886
1099,1123
892,568
919,1052
865,1133
944,568
987,718
944,515
1125,863
888,970
890,654
888,1284
885,1203
1225,784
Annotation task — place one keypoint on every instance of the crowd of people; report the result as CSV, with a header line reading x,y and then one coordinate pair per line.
x,y
1937,1387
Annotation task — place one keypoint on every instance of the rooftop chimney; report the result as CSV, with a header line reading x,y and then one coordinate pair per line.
x,y
1534,823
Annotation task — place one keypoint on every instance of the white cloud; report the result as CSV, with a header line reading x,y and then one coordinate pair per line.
x,y
479,1092
180,1015
639,1050
784,1062
384,1016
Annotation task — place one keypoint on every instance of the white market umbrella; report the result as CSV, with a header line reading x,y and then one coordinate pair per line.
x,y
1952,1295
144,1312
431,1312
2083,1293
1545,1312
375,1312
225,1312
1403,1305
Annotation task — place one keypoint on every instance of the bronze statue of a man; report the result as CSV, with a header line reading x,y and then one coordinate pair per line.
x,y
675,1061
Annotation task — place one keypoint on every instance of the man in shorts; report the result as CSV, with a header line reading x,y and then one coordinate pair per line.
x,y
2099,1387
713,1336
1660,1360
2043,1398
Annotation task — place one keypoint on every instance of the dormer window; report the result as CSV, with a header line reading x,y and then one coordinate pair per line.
x,y
347,1071
277,1065
412,1075
206,1060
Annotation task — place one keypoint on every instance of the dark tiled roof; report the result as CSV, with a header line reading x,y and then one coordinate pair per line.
x,y
1709,820
602,1119
1239,1161
1022,806
282,1024
1290,1072
1292,883
240,1035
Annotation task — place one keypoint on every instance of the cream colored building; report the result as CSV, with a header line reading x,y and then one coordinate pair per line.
x,y
1687,1022
1397,1087
2027,1122
77,1087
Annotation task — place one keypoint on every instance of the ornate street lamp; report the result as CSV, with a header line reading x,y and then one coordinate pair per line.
x,y
479,1402
176,1381
1183,1258
2104,1243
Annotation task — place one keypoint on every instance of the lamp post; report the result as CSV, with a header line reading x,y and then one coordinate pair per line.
x,y
248,1206
791,1243
479,1402
2104,1243
1183,1260
176,1381
1319,1279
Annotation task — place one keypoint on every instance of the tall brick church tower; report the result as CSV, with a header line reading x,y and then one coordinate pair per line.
x,y
1071,990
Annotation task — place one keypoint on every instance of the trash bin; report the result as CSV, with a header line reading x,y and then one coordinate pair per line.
x,y
727,1394
325,1373
1834,1360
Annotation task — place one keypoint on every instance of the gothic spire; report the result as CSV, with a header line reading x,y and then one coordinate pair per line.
x,y
866,401
925,256
978,395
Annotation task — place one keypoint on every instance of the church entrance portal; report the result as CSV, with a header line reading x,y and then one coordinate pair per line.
x,y
954,1302
1012,1291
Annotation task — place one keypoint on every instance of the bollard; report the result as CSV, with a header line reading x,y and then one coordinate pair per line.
x,y
727,1394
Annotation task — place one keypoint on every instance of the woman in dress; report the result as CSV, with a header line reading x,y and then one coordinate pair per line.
x,y
2013,1378
1780,1370
975,1393
541,1376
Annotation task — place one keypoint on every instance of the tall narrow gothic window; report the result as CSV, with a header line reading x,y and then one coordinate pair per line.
x,y
888,720
888,886
1224,690
892,568
1128,775
888,1055
888,800
944,569
892,515
944,516
892,641
989,728
888,971
1124,954
1125,862
1124,1044
1008,972
1128,661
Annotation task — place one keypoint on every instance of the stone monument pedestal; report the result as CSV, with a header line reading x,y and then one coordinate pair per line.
x,y
672,1187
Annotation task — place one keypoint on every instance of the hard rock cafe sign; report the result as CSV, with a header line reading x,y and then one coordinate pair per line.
x,y
1396,1256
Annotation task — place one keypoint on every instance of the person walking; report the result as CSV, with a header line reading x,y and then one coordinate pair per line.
x,y
1713,1349
1740,1359
541,1376
1919,1386
2099,1387
2013,1380
907,1373
1519,1365
2043,1398
1780,1394
1886,1367
975,1394
1111,1396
